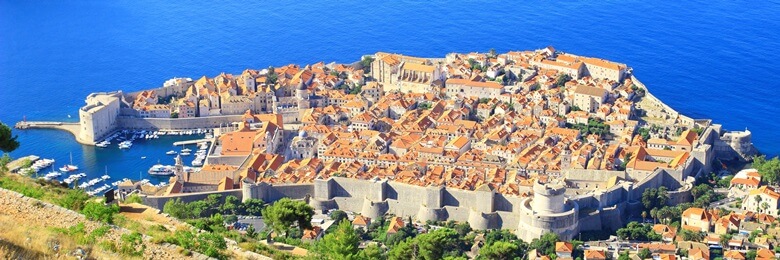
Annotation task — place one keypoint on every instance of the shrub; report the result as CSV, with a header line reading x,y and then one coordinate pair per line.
x,y
132,244
74,200
134,198
97,211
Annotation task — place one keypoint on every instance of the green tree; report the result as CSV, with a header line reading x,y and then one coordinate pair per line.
x,y
4,161
177,209
644,253
499,250
285,212
492,52
250,231
338,215
253,207
404,250
8,142
372,252
688,235
562,79
624,256
230,207
662,196
434,244
769,169
724,240
700,190
341,244
545,245
751,254
366,63
95,210
649,197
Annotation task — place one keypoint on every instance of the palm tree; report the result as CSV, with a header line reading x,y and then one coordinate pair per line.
x,y
758,199
644,215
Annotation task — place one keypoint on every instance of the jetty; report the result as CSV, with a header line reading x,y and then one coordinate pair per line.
x,y
192,142
73,128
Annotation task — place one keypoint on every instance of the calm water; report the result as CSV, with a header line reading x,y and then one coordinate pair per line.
x,y
707,59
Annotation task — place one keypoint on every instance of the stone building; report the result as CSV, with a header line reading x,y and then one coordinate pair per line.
x,y
468,88
98,118
589,98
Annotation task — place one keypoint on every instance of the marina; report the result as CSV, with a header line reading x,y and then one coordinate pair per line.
x,y
85,166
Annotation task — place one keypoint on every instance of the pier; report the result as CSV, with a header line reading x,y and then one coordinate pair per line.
x,y
73,128
192,142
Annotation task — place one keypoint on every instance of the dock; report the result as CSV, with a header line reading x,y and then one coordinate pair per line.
x,y
73,128
17,164
192,142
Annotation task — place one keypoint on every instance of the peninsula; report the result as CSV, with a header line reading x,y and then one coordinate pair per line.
x,y
535,141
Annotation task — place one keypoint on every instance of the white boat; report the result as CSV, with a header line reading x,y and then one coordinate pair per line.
x,y
186,150
69,167
197,162
105,177
125,145
161,170
184,153
143,157
171,152
101,145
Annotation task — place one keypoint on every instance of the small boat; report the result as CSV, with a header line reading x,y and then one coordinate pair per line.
x,y
184,153
143,157
161,170
171,152
101,145
197,162
186,150
69,167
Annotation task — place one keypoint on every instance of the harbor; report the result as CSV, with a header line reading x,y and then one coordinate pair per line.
x,y
97,169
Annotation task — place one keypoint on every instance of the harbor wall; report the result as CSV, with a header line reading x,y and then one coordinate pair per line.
x,y
177,123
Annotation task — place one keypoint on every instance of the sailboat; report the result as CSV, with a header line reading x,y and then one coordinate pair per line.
x,y
69,167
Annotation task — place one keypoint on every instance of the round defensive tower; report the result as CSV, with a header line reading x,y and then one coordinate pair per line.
x,y
548,211
548,198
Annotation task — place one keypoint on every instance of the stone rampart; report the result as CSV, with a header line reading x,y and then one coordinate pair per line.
x,y
176,123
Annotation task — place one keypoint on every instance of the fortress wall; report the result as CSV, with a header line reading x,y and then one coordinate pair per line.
x,y
461,198
508,220
654,180
507,203
159,201
592,175
612,218
295,191
591,221
176,123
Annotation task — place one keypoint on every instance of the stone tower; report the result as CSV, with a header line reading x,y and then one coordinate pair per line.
x,y
178,168
565,158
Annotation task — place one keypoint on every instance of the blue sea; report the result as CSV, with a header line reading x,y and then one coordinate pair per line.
x,y
707,59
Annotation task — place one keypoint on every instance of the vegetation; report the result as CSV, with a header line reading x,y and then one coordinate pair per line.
x,y
342,243
96,210
8,142
594,126
286,212
366,63
272,77
134,198
653,198
638,231
769,169
74,200
562,79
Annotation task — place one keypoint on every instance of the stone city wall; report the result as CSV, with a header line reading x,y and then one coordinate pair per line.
x,y
177,123
158,202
